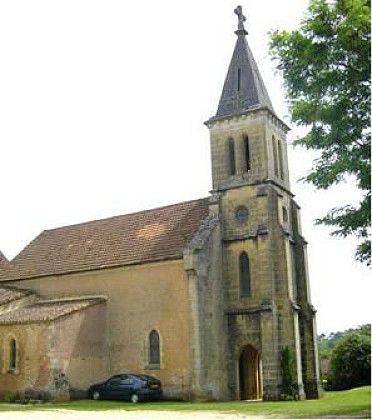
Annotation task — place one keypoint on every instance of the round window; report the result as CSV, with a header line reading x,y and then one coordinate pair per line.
x,y
241,214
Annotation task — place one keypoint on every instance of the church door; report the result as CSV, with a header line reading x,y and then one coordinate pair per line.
x,y
249,374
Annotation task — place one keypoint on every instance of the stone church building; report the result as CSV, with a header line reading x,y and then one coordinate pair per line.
x,y
205,294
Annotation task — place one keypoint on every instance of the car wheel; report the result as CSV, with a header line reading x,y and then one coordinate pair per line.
x,y
134,398
96,395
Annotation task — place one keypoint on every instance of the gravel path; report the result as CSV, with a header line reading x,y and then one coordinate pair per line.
x,y
122,415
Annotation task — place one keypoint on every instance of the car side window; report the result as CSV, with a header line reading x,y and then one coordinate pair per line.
x,y
115,381
127,381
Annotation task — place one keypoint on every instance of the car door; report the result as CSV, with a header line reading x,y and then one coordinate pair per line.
x,y
126,387
112,389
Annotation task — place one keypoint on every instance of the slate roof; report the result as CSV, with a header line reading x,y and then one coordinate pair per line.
x,y
46,311
244,89
146,236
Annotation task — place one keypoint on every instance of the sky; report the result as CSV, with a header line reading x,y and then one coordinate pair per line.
x,y
102,104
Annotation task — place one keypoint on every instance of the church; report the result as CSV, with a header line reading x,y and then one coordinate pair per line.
x,y
206,295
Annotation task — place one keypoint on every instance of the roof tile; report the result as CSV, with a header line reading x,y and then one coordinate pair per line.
x,y
146,236
46,311
8,295
3,260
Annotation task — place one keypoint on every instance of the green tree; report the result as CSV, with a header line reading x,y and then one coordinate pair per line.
x,y
326,346
326,70
351,360
327,343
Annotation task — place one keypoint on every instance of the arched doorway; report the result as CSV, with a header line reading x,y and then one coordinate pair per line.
x,y
249,374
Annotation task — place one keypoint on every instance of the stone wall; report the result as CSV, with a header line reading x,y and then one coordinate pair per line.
x,y
209,340
77,351
54,359
267,319
32,362
140,298
307,321
260,127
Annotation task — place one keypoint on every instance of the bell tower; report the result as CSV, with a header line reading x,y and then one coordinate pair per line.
x,y
247,138
267,303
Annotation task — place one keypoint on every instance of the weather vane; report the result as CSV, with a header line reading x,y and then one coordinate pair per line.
x,y
241,19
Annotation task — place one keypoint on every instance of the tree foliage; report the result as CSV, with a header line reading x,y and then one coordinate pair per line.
x,y
351,360
327,343
326,70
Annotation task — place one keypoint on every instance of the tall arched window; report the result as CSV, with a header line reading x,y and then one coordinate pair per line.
x,y
231,152
245,275
247,154
154,348
281,164
275,156
12,354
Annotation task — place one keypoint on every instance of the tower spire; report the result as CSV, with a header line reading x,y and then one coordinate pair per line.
x,y
244,89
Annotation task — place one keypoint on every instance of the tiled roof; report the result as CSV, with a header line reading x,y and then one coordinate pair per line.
x,y
47,311
3,259
150,235
8,295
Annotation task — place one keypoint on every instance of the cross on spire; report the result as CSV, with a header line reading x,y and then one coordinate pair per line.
x,y
241,19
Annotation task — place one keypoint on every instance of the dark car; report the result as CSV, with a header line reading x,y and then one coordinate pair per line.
x,y
131,387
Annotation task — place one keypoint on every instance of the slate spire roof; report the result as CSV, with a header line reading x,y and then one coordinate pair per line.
x,y
244,89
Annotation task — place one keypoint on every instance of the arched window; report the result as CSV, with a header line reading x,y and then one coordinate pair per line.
x,y
154,348
12,354
275,156
231,152
247,154
245,275
281,165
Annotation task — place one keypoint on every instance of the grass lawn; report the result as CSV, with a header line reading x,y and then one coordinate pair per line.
x,y
354,403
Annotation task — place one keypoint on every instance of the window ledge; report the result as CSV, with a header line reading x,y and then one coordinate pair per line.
x,y
153,366
12,371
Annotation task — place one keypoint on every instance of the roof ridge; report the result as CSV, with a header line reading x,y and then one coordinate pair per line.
x,y
71,299
16,289
34,313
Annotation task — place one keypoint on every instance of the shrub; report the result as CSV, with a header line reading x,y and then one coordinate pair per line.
x,y
8,396
289,389
351,361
